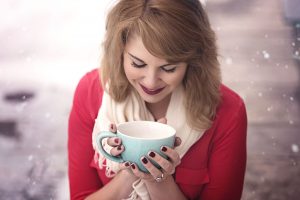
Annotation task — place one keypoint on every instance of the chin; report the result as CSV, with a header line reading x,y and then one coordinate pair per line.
x,y
151,100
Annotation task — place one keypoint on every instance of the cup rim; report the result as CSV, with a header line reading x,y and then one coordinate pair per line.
x,y
172,130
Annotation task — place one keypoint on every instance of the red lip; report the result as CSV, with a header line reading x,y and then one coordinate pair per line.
x,y
151,92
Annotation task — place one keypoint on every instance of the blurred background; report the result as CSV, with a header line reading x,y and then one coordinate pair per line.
x,y
46,46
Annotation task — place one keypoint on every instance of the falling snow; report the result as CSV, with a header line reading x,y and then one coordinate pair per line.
x,y
286,66
266,54
295,148
30,157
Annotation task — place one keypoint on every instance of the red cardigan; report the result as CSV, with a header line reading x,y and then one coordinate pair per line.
x,y
212,169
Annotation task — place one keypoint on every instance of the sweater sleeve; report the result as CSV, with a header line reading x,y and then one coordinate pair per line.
x,y
227,162
83,179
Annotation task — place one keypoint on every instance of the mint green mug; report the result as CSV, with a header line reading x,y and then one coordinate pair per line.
x,y
138,138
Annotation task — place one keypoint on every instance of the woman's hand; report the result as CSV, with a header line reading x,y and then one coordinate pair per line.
x,y
115,147
167,165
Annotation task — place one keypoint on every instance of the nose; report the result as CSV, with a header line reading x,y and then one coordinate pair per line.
x,y
151,79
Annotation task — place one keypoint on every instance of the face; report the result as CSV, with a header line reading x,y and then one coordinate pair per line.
x,y
153,78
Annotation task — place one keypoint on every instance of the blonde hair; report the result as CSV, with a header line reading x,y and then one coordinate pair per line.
x,y
176,30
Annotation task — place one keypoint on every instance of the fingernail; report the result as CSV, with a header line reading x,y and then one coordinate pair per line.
x,y
164,149
127,164
152,154
119,148
144,160
116,140
111,126
132,166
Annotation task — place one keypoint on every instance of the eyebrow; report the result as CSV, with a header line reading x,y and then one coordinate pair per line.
x,y
144,61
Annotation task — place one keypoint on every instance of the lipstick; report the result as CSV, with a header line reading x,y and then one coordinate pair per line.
x,y
152,92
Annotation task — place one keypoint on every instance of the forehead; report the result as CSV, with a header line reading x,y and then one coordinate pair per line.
x,y
135,42
135,46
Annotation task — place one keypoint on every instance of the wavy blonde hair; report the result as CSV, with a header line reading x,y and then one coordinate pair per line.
x,y
175,30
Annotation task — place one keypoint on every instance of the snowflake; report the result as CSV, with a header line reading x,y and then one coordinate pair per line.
x,y
266,54
295,148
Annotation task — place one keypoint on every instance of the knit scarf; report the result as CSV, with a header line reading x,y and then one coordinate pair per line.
x,y
134,109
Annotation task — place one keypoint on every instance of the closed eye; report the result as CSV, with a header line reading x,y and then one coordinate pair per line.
x,y
169,69
137,66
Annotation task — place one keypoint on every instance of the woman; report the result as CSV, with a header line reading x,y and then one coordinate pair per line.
x,y
159,63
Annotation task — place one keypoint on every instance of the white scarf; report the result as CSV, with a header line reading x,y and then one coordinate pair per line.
x,y
134,109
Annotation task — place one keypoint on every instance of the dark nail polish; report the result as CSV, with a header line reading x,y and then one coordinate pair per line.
x,y
111,127
152,154
116,140
119,148
127,164
164,149
144,160
132,166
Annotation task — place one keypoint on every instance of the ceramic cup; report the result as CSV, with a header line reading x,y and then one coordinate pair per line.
x,y
138,138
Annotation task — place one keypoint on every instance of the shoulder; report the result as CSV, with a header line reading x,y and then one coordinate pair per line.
x,y
231,103
88,93
229,97
89,82
231,116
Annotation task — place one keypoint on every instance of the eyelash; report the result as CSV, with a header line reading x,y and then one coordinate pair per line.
x,y
170,70
143,65
137,66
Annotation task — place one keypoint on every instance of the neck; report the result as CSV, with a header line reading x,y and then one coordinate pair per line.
x,y
159,109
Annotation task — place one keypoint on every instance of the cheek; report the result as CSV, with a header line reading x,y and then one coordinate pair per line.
x,y
130,72
175,79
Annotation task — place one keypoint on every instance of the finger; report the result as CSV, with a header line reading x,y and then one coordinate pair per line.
x,y
114,141
166,165
125,165
162,120
172,154
113,128
117,150
177,141
135,170
155,173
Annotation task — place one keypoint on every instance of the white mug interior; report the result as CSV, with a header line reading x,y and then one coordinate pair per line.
x,y
146,130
